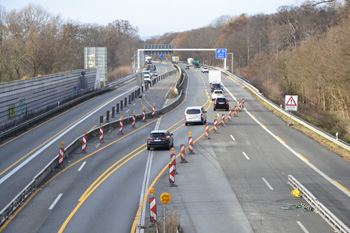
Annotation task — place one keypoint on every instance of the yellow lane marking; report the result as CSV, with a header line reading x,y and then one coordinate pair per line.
x,y
341,186
263,125
280,139
253,116
83,197
32,151
303,157
144,105
133,228
101,179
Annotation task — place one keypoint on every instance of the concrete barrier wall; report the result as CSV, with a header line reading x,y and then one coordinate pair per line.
x,y
22,99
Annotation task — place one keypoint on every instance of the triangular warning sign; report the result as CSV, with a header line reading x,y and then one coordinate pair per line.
x,y
291,102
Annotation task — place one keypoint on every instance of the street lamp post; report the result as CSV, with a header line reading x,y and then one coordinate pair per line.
x,y
231,62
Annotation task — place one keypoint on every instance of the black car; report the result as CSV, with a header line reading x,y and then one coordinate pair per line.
x,y
160,139
214,86
221,103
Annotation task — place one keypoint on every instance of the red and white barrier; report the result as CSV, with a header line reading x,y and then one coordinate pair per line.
x,y
190,143
183,153
171,174
207,131
173,160
242,103
143,114
229,114
101,133
223,119
121,125
235,112
133,120
153,110
60,157
83,147
153,209
215,125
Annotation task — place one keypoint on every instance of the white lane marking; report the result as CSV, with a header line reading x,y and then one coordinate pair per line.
x,y
233,138
55,201
295,153
267,183
98,144
8,175
134,104
81,167
246,155
300,157
145,185
302,227
127,110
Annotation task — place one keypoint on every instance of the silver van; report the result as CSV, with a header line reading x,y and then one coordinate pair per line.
x,y
195,114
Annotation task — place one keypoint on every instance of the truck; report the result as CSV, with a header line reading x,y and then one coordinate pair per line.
x,y
214,76
175,59
148,60
190,61
196,63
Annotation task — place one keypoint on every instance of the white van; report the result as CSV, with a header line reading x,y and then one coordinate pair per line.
x,y
195,114
147,78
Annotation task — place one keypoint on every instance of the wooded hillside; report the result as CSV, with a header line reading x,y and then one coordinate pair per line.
x,y
303,50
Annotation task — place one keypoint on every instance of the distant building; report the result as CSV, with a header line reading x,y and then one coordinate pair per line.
x,y
96,57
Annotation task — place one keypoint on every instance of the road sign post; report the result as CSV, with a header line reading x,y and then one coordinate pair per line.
x,y
291,104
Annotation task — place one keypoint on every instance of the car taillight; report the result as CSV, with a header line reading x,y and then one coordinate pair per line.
x,y
201,115
149,139
185,116
166,139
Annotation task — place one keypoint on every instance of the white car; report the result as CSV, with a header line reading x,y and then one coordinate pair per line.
x,y
195,114
204,69
216,94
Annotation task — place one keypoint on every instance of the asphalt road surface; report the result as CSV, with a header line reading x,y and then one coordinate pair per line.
x,y
235,182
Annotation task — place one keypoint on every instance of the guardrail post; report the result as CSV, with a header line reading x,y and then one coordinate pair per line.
x,y
129,99
125,101
139,90
121,105
117,110
113,112
132,96
107,116
101,119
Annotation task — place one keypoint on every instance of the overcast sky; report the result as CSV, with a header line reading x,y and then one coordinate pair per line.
x,y
152,17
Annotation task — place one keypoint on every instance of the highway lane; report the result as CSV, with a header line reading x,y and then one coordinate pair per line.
x,y
14,152
256,166
112,206
124,184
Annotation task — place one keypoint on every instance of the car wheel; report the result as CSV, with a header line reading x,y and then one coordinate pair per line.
x,y
186,123
148,148
214,109
226,109
205,121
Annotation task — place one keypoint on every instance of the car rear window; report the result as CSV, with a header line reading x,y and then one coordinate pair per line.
x,y
193,111
218,92
157,135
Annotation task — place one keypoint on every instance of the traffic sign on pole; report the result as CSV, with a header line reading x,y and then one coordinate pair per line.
x,y
291,103
220,53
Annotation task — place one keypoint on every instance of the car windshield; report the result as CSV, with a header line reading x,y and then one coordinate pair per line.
x,y
193,111
218,92
157,135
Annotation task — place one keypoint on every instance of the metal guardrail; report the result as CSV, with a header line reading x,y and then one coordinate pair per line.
x,y
319,208
20,198
313,128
